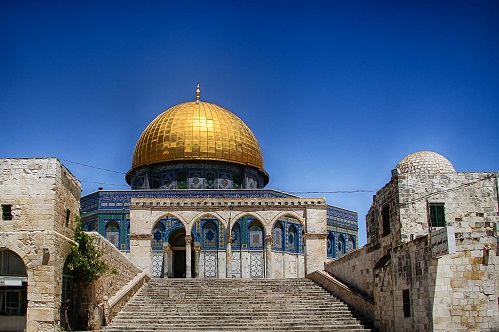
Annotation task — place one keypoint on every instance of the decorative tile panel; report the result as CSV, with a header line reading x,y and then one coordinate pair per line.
x,y
210,264
157,264
256,265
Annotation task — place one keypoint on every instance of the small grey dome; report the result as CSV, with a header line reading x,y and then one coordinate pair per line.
x,y
425,162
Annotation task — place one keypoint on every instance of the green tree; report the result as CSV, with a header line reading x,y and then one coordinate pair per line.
x,y
86,263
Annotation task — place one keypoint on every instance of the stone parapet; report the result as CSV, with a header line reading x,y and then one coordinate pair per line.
x,y
123,278
361,303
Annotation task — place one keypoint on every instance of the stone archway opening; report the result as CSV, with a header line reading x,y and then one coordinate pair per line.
x,y
13,291
68,318
180,256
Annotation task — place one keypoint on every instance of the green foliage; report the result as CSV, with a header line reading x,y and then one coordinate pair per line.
x,y
86,259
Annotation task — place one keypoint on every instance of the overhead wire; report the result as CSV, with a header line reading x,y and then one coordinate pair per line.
x,y
122,185
464,185
297,192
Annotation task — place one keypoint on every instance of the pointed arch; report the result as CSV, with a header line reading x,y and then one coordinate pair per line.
x,y
171,215
208,215
286,214
243,214
162,228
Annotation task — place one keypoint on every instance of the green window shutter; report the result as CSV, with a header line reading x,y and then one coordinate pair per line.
x,y
406,300
437,215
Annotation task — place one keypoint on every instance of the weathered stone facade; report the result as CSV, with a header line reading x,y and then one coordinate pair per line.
x,y
457,291
310,213
44,198
40,199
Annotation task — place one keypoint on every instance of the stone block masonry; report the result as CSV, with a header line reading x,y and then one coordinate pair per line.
x,y
43,199
411,290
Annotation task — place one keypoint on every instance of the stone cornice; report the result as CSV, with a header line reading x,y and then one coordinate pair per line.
x,y
240,204
140,236
320,236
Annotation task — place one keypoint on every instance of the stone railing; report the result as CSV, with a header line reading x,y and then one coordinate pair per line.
x,y
122,280
118,301
354,299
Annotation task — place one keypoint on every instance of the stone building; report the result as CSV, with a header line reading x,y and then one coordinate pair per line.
x,y
431,260
39,198
198,206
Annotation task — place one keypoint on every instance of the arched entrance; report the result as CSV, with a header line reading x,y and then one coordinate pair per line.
x,y
170,259
177,241
13,291
68,297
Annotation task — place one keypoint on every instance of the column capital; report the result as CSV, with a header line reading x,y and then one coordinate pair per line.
x,y
167,247
188,239
197,247
269,239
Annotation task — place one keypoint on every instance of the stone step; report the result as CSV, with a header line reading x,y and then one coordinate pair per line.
x,y
251,329
235,305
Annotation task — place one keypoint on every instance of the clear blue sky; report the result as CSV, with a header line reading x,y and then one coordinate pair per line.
x,y
336,92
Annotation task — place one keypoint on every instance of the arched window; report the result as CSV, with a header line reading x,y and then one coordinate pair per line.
x,y
350,244
235,237
210,235
341,246
13,298
292,239
255,231
330,245
158,234
278,236
113,233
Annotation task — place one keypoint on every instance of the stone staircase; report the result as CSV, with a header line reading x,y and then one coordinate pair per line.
x,y
235,305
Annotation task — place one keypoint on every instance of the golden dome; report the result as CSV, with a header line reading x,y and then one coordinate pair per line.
x,y
425,162
197,131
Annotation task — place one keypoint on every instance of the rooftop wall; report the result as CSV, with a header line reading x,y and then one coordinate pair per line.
x,y
40,191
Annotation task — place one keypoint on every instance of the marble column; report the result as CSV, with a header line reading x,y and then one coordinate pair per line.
x,y
268,256
167,260
188,241
228,259
197,262
228,251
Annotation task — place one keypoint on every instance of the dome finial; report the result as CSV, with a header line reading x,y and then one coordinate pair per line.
x,y
198,93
